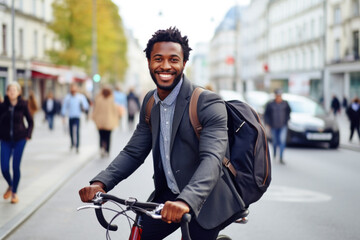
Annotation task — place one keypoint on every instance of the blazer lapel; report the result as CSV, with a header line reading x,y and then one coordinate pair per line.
x,y
182,102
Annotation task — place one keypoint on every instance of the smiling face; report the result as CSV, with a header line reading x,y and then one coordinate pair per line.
x,y
166,65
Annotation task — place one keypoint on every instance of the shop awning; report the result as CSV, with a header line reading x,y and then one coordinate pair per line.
x,y
62,74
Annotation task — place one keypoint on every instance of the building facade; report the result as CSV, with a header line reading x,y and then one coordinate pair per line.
x,y
31,40
342,73
224,52
254,45
296,51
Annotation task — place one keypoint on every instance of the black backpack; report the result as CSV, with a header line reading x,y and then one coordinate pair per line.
x,y
249,161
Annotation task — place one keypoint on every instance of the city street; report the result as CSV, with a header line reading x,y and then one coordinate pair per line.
x,y
313,196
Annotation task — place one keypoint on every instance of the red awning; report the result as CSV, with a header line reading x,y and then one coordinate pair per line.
x,y
36,74
62,74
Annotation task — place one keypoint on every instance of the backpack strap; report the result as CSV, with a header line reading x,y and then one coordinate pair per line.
x,y
194,119
193,111
148,108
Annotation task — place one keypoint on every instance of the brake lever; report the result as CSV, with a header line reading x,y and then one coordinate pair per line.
x,y
156,213
88,206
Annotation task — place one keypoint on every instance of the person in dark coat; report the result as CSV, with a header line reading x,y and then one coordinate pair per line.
x,y
277,115
353,113
50,107
133,106
335,105
13,136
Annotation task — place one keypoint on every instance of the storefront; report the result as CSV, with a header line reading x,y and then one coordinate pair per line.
x,y
47,77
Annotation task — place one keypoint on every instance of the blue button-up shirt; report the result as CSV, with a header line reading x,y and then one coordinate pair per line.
x,y
73,105
167,108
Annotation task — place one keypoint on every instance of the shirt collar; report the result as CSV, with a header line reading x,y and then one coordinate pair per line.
x,y
170,99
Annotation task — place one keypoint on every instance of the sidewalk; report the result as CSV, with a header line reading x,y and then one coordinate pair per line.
x,y
46,164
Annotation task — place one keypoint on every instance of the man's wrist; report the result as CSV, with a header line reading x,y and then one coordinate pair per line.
x,y
100,184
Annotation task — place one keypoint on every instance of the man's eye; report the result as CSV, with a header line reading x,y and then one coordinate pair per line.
x,y
157,59
175,60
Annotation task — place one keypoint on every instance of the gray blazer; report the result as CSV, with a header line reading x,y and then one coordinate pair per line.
x,y
203,182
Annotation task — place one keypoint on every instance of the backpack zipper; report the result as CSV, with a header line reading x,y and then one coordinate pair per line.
x,y
240,126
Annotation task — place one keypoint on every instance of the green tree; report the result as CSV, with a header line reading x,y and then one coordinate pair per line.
x,y
73,26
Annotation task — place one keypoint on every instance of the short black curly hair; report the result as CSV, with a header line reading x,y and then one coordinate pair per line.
x,y
171,34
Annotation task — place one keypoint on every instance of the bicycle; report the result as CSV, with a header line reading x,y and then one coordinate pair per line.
x,y
139,208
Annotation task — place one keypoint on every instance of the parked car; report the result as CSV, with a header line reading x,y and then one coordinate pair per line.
x,y
309,123
257,100
228,95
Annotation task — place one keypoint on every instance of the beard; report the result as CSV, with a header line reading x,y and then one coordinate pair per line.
x,y
167,88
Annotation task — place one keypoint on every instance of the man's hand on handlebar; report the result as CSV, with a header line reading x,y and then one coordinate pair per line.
x,y
88,193
173,211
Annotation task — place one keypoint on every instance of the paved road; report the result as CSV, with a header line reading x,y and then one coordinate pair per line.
x,y
48,163
309,198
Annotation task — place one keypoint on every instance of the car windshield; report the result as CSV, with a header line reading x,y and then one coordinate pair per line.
x,y
306,106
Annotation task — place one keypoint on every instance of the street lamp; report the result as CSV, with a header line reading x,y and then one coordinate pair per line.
x,y
94,50
13,40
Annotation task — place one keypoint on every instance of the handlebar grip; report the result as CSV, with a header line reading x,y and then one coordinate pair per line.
x,y
103,222
186,218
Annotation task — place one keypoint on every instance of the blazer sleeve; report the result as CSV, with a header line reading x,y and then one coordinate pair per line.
x,y
131,157
212,147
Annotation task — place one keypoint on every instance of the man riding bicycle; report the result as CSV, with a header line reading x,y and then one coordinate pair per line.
x,y
188,172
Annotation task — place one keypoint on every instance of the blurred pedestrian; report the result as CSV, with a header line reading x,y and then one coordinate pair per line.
x,y
32,103
335,105
13,136
86,110
1,98
209,87
353,113
72,107
277,115
345,103
106,117
50,107
133,107
121,102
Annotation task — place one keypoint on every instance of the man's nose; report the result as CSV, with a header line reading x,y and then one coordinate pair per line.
x,y
165,65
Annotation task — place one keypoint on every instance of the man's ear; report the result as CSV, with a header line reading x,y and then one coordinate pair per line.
x,y
185,63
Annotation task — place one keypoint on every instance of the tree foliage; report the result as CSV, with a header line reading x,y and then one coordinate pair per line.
x,y
73,25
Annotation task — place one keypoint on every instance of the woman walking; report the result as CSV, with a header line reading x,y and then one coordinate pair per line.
x,y
13,136
106,118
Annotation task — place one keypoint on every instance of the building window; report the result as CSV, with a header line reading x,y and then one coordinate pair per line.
x,y
43,8
34,7
356,44
355,8
44,43
312,30
21,42
4,37
35,43
337,50
337,15
21,5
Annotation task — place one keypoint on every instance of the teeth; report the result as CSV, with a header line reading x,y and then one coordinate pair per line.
x,y
165,76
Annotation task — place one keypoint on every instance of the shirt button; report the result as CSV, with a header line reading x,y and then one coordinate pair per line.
x,y
167,122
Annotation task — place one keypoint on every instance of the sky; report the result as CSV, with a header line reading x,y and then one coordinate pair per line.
x,y
197,19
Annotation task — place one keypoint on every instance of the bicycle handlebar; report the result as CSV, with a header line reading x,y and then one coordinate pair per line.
x,y
149,208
